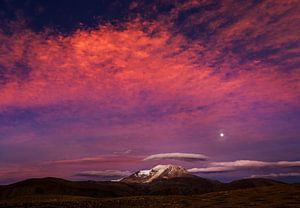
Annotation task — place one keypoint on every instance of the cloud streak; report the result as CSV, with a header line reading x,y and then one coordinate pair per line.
x,y
211,170
215,167
275,175
104,173
96,159
190,157
256,164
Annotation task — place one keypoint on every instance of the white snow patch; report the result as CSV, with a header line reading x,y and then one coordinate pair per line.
x,y
143,173
161,167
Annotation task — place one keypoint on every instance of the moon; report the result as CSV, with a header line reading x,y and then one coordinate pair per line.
x,y
222,135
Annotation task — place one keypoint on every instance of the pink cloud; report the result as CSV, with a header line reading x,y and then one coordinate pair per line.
x,y
97,159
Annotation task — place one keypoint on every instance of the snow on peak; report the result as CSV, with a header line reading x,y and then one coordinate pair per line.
x,y
143,173
165,167
161,167
159,171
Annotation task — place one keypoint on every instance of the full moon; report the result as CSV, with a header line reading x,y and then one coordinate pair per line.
x,y
221,134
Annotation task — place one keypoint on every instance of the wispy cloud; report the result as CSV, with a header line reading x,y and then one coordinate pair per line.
x,y
215,167
256,164
79,160
211,170
104,173
274,175
97,159
190,157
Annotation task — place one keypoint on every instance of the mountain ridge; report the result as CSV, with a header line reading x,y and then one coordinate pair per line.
x,y
99,189
160,180
156,173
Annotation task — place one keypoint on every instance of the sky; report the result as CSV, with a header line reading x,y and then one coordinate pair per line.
x,y
100,89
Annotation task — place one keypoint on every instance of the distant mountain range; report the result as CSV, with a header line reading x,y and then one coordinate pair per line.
x,y
160,180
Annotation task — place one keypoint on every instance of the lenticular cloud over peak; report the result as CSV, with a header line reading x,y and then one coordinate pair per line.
x,y
191,157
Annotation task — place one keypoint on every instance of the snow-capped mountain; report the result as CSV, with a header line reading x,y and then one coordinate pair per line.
x,y
158,172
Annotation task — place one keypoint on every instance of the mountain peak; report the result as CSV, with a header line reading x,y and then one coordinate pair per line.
x,y
157,172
